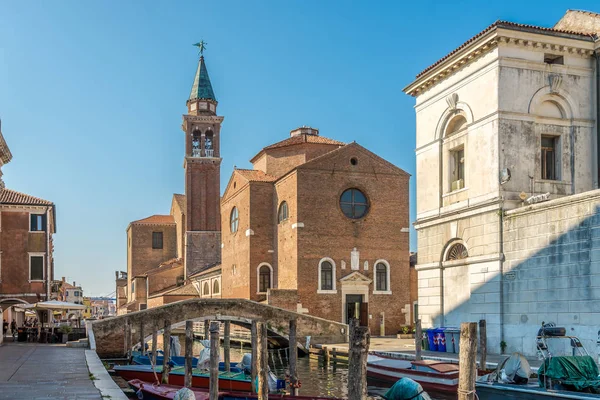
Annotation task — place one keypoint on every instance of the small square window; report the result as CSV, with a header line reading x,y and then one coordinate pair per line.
x,y
157,240
554,59
37,223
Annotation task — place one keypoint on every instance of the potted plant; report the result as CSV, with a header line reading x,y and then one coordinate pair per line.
x,y
406,332
65,330
502,346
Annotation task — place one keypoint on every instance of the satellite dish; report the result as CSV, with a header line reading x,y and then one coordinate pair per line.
x,y
504,176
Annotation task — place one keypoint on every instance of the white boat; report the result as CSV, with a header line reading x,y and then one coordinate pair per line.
x,y
432,375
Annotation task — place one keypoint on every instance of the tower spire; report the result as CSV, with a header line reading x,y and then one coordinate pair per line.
x,y
202,88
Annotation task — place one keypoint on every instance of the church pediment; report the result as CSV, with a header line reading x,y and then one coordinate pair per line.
x,y
355,278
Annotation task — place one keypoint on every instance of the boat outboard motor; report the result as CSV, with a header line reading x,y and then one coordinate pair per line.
x,y
406,389
515,369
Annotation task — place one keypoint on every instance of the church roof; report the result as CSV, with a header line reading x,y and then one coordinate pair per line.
x,y
255,175
180,199
299,139
8,196
202,88
156,219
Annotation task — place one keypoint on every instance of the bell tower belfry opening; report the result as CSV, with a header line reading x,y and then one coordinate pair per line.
x,y
202,164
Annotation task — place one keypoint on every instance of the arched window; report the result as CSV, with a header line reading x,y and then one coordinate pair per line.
x,y
282,215
354,203
458,251
196,136
326,275
208,144
456,125
216,287
381,277
234,220
265,277
205,289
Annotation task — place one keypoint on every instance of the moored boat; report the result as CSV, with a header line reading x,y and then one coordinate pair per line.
x,y
230,381
432,375
152,391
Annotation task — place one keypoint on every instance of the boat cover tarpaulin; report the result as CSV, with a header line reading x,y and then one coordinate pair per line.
x,y
406,389
581,372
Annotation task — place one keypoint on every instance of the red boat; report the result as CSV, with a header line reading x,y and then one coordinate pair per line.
x,y
432,375
153,391
230,381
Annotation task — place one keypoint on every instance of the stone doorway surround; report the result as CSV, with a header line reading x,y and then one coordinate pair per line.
x,y
354,283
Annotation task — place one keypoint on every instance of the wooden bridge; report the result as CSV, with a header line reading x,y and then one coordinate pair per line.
x,y
114,337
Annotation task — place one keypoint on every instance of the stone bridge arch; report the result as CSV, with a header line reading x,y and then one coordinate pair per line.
x,y
109,334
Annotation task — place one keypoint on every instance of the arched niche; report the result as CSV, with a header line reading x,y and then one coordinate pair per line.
x,y
552,104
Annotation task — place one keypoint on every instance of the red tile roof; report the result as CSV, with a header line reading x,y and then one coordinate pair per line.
x,y
304,138
156,219
8,196
499,24
254,175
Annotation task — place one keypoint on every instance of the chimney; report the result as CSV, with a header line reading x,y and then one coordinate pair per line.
x,y
74,284
63,279
116,274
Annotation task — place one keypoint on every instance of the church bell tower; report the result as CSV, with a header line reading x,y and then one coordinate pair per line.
x,y
202,166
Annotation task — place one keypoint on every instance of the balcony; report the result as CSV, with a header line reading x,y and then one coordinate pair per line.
x,y
207,153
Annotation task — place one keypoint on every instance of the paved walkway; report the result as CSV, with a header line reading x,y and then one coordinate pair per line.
x,y
406,347
41,371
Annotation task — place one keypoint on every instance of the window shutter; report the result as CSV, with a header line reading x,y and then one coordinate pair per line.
x,y
32,222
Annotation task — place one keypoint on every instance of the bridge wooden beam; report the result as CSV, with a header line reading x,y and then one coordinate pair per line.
x,y
142,338
166,351
293,357
154,342
226,345
189,343
254,352
214,360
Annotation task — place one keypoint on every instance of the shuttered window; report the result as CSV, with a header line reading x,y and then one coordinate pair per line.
x,y
157,240
36,268
37,223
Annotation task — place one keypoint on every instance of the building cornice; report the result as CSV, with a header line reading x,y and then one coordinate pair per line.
x,y
486,43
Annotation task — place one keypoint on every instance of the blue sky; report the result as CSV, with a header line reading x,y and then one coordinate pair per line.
x,y
92,93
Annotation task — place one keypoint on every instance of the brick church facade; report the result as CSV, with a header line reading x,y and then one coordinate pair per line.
x,y
317,226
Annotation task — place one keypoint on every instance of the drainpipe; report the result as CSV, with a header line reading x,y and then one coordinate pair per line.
x,y
48,261
501,266
597,117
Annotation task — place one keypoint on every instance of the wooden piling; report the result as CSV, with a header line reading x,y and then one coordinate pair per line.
x,y
360,339
482,343
254,352
467,361
262,362
418,340
189,344
293,358
326,356
206,329
166,351
227,345
154,342
214,360
142,338
127,337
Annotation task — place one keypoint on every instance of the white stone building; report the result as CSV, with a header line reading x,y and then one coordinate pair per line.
x,y
510,114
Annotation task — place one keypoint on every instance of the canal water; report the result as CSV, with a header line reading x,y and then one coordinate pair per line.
x,y
316,379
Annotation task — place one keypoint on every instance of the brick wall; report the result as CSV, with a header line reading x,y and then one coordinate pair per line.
x,y
552,269
261,241
287,238
163,278
278,161
236,246
283,298
16,242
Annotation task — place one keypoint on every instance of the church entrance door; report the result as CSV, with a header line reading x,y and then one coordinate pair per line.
x,y
357,309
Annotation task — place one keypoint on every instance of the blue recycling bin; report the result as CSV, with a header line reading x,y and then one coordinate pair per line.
x,y
431,339
441,339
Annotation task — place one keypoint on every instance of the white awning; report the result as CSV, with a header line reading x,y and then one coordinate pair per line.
x,y
54,305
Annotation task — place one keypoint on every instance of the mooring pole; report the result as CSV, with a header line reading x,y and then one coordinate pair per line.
x,y
206,329
254,352
127,337
467,361
262,362
293,358
154,342
418,340
189,343
482,343
227,345
360,339
166,351
214,360
142,338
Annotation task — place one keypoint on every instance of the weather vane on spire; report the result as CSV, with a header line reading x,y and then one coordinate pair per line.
x,y
201,45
